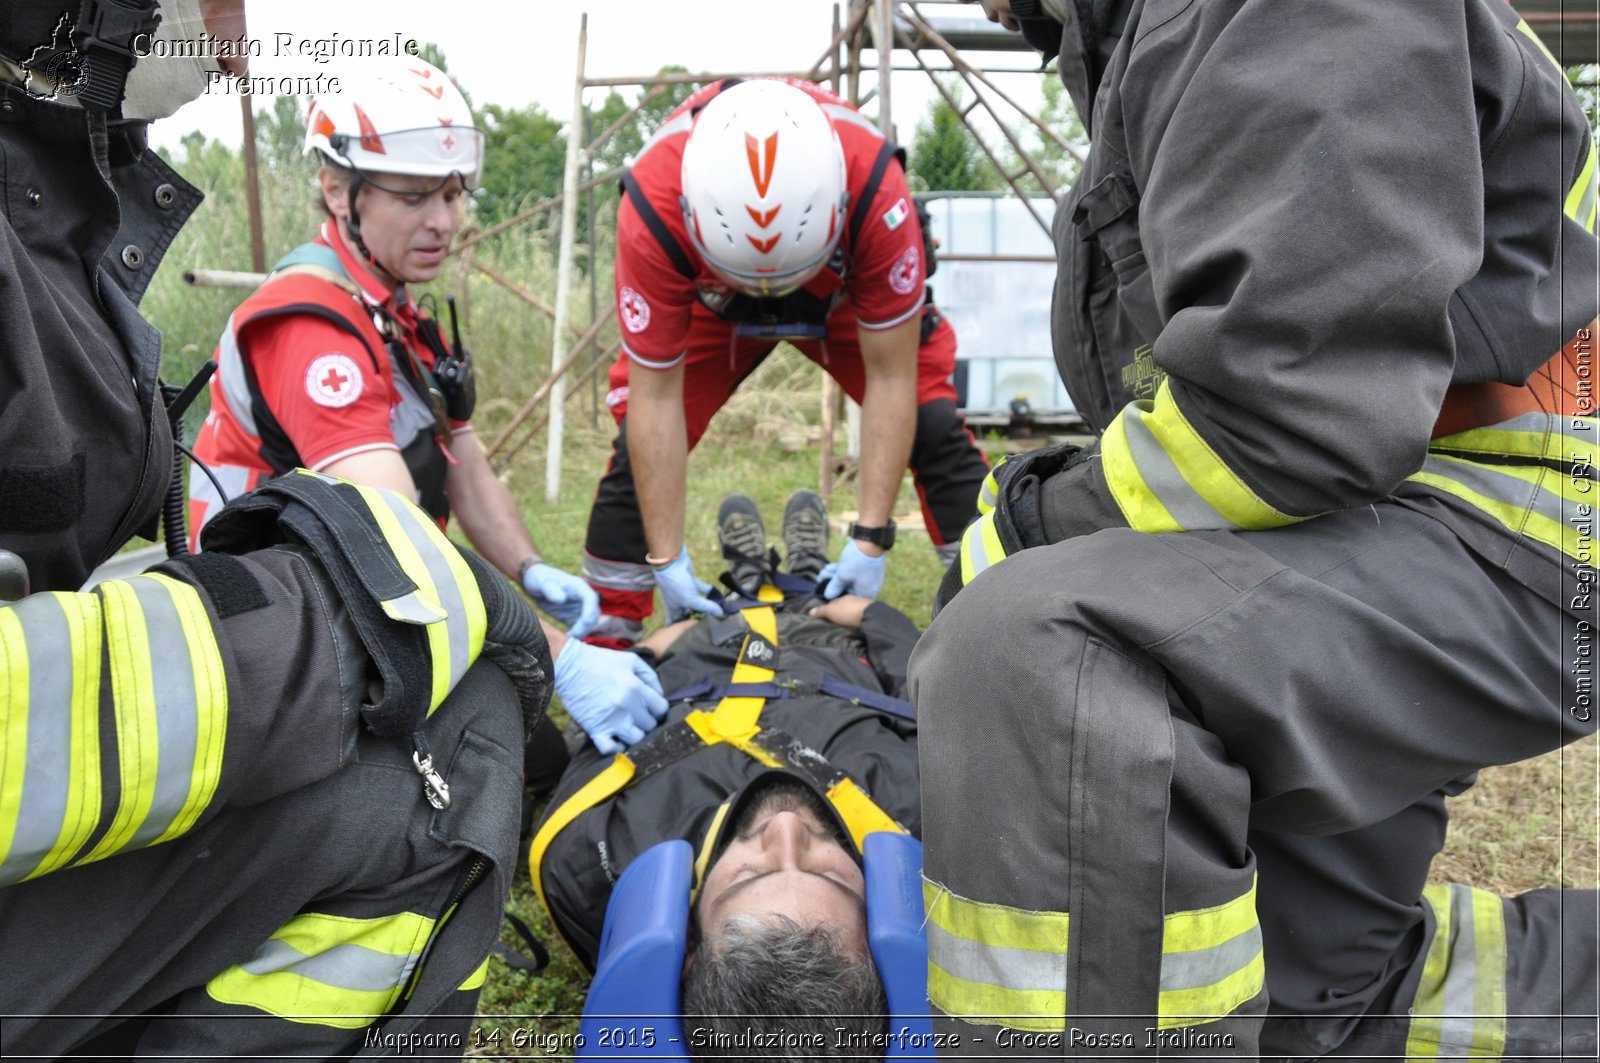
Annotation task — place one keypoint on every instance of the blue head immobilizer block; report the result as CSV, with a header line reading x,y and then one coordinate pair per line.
x,y
633,1009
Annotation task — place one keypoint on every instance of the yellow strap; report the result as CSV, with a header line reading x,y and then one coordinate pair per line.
x,y
737,716
611,781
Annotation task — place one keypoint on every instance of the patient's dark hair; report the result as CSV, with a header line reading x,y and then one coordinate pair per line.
x,y
771,975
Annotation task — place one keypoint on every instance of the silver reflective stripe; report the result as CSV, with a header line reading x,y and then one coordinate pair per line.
x,y
840,113
998,965
352,967
444,581
1508,490
1461,982
235,384
47,772
176,711
1207,967
1161,476
618,575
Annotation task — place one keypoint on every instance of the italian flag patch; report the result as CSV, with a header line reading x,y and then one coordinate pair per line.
x,y
896,214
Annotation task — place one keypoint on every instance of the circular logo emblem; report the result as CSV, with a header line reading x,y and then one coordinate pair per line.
x,y
634,310
906,271
333,380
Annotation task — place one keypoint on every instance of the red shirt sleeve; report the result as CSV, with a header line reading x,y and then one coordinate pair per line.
x,y
654,300
319,382
885,285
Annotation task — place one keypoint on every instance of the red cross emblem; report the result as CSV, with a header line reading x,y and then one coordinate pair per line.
x,y
333,379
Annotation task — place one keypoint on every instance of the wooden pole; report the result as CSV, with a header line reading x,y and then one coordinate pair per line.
x,y
564,267
252,181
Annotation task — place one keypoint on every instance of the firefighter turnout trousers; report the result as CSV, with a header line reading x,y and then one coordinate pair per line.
x,y
1228,786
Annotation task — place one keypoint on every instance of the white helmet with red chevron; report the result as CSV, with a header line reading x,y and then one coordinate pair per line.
x,y
764,186
403,116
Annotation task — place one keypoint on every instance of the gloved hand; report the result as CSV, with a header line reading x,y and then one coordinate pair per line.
x,y
615,697
854,572
564,596
681,591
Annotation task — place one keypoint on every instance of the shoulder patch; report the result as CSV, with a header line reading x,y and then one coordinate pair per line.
x,y
635,310
333,379
896,214
906,271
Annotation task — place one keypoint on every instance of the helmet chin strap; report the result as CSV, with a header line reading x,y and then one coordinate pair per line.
x,y
353,224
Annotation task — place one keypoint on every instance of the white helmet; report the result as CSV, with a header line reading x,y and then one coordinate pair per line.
x,y
764,187
402,116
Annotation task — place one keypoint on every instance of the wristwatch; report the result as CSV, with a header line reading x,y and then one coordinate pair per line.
x,y
883,536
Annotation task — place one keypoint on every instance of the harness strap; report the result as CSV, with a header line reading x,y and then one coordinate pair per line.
x,y
657,227
869,192
734,722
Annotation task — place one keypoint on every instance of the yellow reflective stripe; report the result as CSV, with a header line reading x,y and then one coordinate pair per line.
x,y
1528,32
980,548
445,586
1211,962
1165,477
995,964
1528,500
1427,1011
860,813
1544,436
210,692
1460,1004
989,493
328,970
171,709
50,784
133,695
608,782
476,979
1489,992
1581,198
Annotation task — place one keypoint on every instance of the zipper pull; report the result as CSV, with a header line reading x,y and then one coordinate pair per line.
x,y
434,788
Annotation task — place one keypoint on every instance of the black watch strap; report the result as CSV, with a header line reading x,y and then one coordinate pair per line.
x,y
877,536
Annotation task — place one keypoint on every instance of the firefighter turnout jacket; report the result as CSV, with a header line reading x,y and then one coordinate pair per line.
x,y
827,711
258,800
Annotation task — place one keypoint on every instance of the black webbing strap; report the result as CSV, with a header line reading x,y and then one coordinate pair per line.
x,y
657,227
869,191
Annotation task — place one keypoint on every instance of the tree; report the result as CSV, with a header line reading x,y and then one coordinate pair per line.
x,y
946,158
525,156
280,133
1059,114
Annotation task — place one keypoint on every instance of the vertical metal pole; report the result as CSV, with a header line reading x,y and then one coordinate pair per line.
x,y
594,272
569,227
252,181
829,388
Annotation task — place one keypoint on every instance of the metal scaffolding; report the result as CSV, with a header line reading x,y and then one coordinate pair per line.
x,y
925,43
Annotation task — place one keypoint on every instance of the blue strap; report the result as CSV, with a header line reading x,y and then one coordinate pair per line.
x,y
311,255
872,699
706,689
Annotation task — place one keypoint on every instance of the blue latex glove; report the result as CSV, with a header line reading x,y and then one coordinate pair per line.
x,y
854,573
615,697
564,596
681,591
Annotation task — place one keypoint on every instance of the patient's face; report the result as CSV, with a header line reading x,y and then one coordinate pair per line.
x,y
786,859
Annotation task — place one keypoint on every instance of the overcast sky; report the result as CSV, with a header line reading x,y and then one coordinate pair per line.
x,y
519,54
